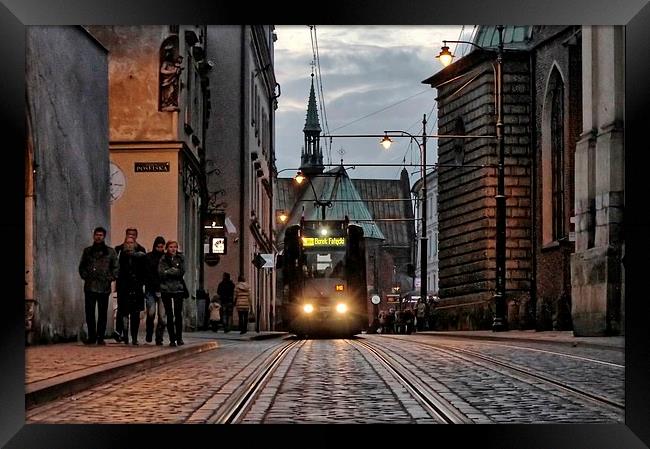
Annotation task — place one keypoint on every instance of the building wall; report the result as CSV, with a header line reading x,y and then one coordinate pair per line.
x,y
466,204
68,186
552,308
140,131
240,144
596,268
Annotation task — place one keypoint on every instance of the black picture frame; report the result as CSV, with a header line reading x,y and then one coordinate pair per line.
x,y
634,14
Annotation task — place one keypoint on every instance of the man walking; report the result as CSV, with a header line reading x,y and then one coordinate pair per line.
x,y
98,268
226,291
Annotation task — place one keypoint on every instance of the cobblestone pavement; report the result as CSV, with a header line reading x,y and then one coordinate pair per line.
x,y
330,381
167,394
327,381
598,371
507,398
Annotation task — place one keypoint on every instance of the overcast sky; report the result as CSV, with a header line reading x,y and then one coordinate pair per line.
x,y
364,69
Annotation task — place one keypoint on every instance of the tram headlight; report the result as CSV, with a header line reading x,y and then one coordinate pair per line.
x,y
341,308
308,308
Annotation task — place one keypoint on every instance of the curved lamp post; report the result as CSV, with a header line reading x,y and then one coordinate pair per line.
x,y
385,142
500,322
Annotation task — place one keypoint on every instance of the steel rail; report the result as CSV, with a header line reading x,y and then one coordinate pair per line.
x,y
468,355
239,402
439,408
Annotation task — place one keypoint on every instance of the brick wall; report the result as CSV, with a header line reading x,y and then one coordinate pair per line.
x,y
552,296
467,222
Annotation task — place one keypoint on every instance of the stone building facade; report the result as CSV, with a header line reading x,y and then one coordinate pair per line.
x,y
563,180
157,102
597,271
467,182
240,157
66,174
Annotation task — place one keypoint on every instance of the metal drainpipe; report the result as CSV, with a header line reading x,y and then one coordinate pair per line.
x,y
533,194
242,157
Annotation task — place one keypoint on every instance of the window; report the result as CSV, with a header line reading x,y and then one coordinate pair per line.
x,y
553,154
557,154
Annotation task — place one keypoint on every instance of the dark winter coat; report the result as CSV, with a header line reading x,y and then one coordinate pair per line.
x,y
98,268
152,278
226,292
171,271
130,282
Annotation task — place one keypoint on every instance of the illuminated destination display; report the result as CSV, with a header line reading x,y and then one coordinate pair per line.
x,y
323,241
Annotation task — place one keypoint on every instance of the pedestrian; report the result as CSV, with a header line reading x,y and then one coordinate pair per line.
x,y
420,315
119,315
215,313
130,289
153,299
242,302
98,268
226,291
171,269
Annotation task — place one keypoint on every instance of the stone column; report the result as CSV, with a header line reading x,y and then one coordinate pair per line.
x,y
596,270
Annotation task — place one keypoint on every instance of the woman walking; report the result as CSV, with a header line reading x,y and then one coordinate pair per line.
x,y
171,269
242,303
130,288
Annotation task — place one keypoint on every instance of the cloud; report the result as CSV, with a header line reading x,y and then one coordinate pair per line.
x,y
364,69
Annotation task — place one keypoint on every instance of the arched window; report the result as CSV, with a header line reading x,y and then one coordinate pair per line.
x,y
557,155
553,143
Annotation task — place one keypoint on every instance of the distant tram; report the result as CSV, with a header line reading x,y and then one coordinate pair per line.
x,y
324,273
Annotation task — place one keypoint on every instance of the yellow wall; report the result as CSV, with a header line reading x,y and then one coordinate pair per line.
x,y
150,200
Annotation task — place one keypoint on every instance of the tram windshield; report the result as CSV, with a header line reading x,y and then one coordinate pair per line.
x,y
323,264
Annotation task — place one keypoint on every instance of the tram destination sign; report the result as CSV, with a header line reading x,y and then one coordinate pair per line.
x,y
151,167
323,241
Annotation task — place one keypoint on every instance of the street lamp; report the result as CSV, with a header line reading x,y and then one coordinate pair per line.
x,y
385,142
299,178
500,322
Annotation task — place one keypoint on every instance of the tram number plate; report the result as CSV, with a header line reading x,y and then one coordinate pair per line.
x,y
325,309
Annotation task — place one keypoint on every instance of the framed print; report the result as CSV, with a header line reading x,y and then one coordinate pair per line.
x,y
634,15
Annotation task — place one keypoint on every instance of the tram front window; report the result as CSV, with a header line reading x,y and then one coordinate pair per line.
x,y
323,264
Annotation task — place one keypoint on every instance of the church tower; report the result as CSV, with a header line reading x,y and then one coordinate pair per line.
x,y
311,159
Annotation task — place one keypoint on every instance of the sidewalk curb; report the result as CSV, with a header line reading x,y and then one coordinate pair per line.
x,y
47,390
574,344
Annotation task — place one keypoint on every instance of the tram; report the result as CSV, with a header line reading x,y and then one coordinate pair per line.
x,y
324,275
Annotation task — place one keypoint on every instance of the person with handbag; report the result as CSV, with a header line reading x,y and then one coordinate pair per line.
x,y
130,289
171,269
242,302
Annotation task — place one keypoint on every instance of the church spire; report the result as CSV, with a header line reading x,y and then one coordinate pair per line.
x,y
312,123
311,158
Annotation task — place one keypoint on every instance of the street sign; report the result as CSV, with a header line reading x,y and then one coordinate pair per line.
x,y
263,261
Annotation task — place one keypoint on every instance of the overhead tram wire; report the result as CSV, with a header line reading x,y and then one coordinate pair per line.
x,y
381,110
322,97
319,88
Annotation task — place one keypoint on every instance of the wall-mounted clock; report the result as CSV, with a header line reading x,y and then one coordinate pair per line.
x,y
117,182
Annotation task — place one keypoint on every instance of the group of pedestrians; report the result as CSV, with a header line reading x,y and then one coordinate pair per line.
x,y
408,320
152,280
230,296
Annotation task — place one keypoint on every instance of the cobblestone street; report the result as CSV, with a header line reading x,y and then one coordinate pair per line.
x,y
343,381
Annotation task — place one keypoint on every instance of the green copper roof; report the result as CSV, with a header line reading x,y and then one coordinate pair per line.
x,y
488,36
335,185
312,123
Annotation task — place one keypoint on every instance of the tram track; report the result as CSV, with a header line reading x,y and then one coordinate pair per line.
x,y
240,400
434,404
522,372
